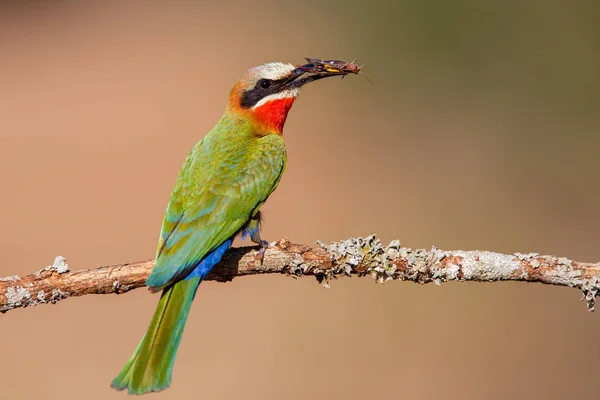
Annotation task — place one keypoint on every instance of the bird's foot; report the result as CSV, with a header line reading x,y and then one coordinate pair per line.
x,y
263,248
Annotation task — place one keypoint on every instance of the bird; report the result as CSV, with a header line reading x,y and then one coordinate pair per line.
x,y
223,182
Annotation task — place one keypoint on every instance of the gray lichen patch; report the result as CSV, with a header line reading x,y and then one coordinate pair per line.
x,y
17,296
590,292
487,266
324,277
422,261
59,265
379,262
348,254
526,257
422,265
565,261
564,273
531,258
13,278
382,274
298,267
118,287
439,275
392,251
41,296
386,270
57,295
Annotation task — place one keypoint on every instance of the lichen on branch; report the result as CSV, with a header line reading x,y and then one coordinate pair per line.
x,y
352,257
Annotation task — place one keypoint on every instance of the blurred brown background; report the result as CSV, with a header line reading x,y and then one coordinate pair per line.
x,y
481,131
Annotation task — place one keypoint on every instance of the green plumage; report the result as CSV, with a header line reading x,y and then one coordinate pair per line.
x,y
151,366
222,184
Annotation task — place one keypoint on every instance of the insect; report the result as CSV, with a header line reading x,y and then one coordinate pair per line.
x,y
334,66
340,67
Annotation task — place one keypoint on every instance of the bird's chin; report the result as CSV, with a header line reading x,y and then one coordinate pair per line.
x,y
284,94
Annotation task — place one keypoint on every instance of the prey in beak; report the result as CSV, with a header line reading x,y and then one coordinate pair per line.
x,y
337,67
318,69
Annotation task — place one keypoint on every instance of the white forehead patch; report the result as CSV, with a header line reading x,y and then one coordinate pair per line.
x,y
284,94
275,70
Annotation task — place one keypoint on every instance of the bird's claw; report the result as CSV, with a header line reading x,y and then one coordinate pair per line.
x,y
263,248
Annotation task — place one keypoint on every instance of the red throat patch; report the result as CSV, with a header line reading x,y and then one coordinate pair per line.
x,y
273,113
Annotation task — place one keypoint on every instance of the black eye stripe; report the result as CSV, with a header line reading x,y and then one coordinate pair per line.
x,y
257,93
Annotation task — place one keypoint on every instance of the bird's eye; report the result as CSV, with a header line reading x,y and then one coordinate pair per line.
x,y
264,83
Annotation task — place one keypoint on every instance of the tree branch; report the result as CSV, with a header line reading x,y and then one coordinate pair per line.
x,y
360,257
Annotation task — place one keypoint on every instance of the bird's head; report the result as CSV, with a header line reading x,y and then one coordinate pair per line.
x,y
266,93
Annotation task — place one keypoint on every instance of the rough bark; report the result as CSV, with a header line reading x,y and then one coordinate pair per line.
x,y
359,257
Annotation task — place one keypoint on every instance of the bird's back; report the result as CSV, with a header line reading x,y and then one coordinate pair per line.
x,y
224,180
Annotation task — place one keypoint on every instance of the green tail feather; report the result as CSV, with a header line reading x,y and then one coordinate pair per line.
x,y
150,367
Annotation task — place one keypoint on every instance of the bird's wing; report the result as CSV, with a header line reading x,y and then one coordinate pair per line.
x,y
222,202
